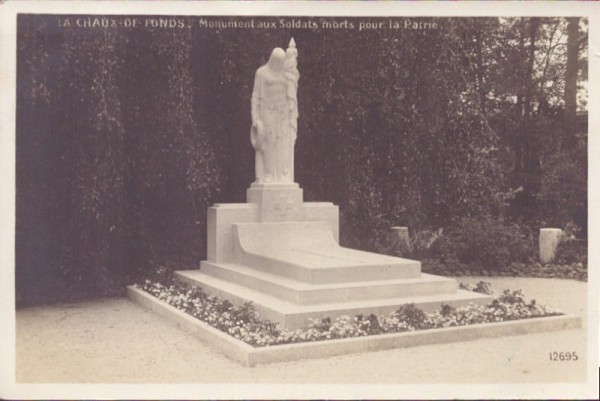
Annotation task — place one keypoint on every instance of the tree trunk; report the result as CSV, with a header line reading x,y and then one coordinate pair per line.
x,y
518,139
527,129
571,81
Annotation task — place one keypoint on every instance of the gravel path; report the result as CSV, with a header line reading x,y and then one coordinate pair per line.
x,y
116,341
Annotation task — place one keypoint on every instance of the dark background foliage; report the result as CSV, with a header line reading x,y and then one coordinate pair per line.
x,y
125,136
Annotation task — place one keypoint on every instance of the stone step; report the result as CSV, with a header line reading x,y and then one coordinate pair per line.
x,y
280,264
304,294
297,316
308,252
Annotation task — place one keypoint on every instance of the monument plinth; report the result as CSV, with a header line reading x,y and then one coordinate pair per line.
x,y
282,253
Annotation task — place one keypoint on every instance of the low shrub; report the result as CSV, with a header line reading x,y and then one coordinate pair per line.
x,y
573,272
481,243
482,287
412,316
571,251
487,242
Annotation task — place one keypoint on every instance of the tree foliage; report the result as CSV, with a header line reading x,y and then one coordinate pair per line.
x,y
125,136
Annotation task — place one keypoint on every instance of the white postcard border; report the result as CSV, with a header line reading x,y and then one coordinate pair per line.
x,y
8,11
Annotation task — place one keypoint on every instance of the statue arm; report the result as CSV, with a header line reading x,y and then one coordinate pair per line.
x,y
256,98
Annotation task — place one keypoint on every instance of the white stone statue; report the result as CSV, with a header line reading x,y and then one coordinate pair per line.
x,y
275,116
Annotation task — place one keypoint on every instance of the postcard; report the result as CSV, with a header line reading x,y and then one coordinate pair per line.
x,y
299,200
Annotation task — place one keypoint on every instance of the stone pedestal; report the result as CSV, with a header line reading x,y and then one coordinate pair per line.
x,y
277,202
283,255
401,235
266,203
549,239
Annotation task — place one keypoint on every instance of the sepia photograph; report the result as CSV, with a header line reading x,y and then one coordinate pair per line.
x,y
301,200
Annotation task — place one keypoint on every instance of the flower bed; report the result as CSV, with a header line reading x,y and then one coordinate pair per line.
x,y
245,324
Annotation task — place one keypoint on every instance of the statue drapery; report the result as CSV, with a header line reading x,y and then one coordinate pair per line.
x,y
275,115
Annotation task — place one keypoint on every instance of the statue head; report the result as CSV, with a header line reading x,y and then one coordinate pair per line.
x,y
277,58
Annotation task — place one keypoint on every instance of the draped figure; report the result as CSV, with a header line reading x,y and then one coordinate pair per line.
x,y
274,116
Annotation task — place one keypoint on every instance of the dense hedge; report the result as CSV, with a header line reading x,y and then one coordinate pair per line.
x,y
125,136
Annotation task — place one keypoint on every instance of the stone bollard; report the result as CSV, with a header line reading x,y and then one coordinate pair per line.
x,y
401,234
549,239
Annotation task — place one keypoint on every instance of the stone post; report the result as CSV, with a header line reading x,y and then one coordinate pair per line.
x,y
549,239
401,234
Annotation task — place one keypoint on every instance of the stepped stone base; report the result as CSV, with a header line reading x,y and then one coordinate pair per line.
x,y
319,304
283,255
250,356
305,294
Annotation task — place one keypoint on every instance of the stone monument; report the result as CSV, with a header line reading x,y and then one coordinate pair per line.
x,y
275,116
282,253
